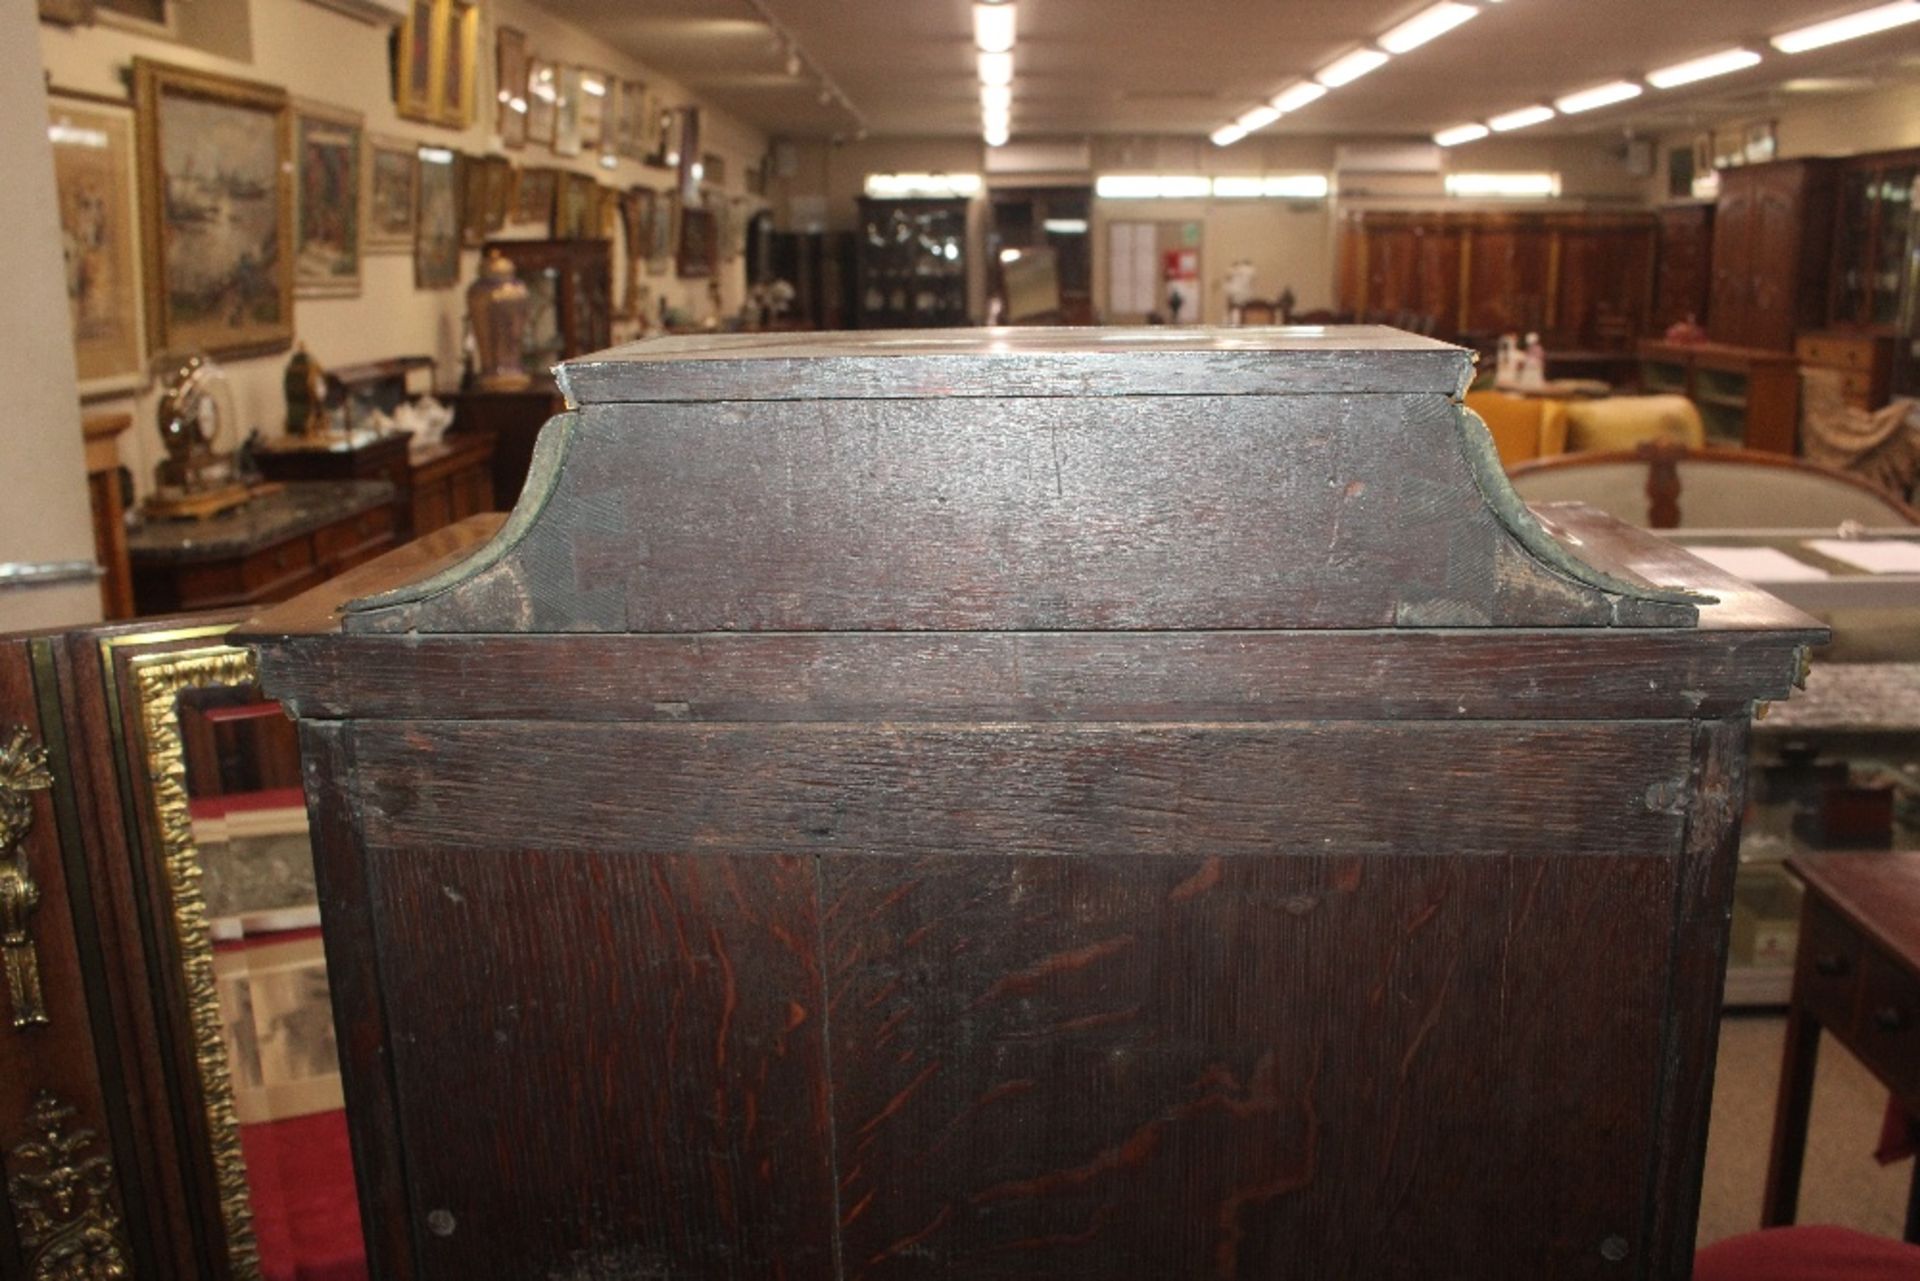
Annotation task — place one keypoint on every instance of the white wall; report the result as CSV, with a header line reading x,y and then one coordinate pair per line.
x,y
43,477
317,53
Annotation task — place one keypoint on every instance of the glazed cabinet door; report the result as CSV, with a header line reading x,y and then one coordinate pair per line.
x,y
65,1175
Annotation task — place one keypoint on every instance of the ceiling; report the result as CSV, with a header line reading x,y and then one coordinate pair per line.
x,y
1154,67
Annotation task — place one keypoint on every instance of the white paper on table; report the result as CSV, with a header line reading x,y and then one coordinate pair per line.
x,y
1760,564
1875,555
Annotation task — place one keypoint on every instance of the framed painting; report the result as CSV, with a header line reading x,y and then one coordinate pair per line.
x,y
95,180
533,196
636,224
216,191
566,113
1760,142
457,62
329,151
606,220
473,200
144,17
686,149
543,97
413,91
393,180
574,208
510,84
436,234
594,88
498,192
699,244
663,233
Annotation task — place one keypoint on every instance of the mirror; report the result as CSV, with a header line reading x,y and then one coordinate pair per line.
x,y
228,822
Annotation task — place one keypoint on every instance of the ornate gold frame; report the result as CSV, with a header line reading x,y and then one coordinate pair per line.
x,y
159,680
153,81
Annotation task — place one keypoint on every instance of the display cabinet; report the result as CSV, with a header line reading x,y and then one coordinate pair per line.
x,y
1772,240
570,293
912,263
1872,239
820,267
1746,397
1683,284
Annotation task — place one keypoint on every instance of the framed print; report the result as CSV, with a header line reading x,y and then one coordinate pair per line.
x,y
510,83
95,179
543,96
498,192
663,233
1759,144
277,1019
67,13
216,188
533,196
414,88
594,88
566,113
686,147
457,61
607,212
699,246
393,180
329,200
436,235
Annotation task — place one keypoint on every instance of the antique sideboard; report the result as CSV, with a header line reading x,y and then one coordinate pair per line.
x,y
1046,803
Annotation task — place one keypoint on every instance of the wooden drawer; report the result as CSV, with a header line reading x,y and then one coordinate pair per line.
x,y
1833,352
1829,968
272,564
1886,1029
339,539
1859,387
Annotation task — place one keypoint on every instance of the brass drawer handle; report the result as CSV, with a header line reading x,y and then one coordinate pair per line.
x,y
1830,965
23,769
1890,1018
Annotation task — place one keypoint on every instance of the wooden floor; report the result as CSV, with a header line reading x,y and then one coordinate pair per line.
x,y
1842,1182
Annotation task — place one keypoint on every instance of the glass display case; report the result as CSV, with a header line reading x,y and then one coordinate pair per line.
x,y
912,263
1872,240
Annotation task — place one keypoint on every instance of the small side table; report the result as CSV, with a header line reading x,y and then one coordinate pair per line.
x,y
1857,976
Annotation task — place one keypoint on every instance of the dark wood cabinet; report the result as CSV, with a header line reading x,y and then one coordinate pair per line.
x,y
512,420
1772,229
912,264
570,288
1582,280
1684,283
1747,397
992,807
274,547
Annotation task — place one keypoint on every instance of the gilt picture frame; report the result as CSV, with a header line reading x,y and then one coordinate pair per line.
x,y
329,200
510,86
96,179
217,205
414,90
543,96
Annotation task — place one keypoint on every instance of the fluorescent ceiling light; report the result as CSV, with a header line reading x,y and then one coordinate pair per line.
x,y
1520,119
993,27
1714,64
1227,135
1852,26
1298,96
435,156
1258,118
996,98
1065,226
996,68
1597,97
1461,133
1127,186
1295,186
1512,185
996,115
1435,20
1343,71
1009,255
995,134
923,184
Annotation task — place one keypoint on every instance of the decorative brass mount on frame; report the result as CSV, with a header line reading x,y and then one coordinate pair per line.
x,y
23,769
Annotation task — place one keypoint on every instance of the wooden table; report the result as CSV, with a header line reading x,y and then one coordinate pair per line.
x,y
1858,977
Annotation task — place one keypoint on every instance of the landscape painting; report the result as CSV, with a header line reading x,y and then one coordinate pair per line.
x,y
327,249
93,169
216,158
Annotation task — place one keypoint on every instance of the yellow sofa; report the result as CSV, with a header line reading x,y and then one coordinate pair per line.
x,y
1523,427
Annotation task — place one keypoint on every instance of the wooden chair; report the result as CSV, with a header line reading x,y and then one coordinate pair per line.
x,y
1259,311
1661,485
